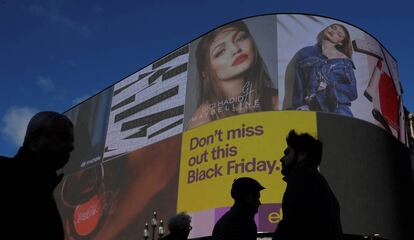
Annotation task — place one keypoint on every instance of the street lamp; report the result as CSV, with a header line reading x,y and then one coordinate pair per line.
x,y
154,224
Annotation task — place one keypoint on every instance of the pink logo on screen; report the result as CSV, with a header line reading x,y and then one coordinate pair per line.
x,y
269,217
266,219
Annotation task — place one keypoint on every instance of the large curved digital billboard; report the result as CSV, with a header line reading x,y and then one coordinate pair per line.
x,y
174,135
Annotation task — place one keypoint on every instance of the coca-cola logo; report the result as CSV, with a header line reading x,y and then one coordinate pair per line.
x,y
87,216
92,211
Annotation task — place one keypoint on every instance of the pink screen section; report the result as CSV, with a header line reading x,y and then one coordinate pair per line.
x,y
266,219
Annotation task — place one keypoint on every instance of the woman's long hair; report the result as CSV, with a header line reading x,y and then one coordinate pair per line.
x,y
345,47
256,76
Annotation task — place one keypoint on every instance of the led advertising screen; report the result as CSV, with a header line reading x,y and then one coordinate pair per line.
x,y
90,120
233,70
329,66
148,106
113,199
248,145
174,135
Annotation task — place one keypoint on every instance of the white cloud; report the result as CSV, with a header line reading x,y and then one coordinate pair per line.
x,y
15,123
46,84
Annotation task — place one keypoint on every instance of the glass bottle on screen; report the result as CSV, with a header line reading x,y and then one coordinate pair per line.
x,y
83,195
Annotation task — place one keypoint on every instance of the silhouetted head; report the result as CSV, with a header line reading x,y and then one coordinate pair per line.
x,y
50,136
179,225
246,191
302,150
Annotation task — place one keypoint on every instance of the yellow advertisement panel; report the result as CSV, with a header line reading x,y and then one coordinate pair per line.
x,y
213,155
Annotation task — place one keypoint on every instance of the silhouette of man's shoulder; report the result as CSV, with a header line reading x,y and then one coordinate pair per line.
x,y
7,170
2,158
5,161
223,223
223,228
234,224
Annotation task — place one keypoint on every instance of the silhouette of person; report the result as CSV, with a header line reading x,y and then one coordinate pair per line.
x,y
179,227
28,179
238,222
310,208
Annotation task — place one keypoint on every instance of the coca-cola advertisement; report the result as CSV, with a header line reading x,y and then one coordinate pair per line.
x,y
114,199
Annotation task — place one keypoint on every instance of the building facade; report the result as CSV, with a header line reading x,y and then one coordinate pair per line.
x,y
174,135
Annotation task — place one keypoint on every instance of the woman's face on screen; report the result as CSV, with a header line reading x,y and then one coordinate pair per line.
x,y
335,33
231,53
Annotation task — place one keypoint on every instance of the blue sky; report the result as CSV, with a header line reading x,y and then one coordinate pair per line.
x,y
54,54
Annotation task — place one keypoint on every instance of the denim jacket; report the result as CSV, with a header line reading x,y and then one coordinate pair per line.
x,y
323,84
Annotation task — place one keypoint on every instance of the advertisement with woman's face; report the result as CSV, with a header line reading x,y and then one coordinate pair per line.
x,y
329,66
232,70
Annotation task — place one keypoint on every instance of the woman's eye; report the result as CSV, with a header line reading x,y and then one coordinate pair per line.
x,y
241,37
218,53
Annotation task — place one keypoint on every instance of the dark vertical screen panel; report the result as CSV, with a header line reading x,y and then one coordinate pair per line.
x,y
369,171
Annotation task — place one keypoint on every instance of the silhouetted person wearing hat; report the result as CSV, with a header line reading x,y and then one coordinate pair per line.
x,y
310,208
179,227
238,222
27,181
